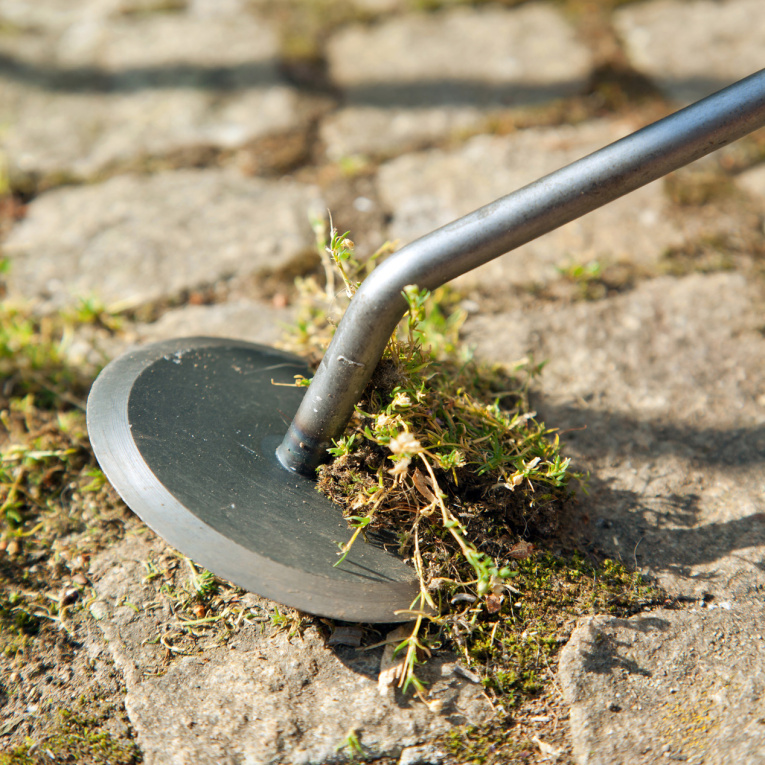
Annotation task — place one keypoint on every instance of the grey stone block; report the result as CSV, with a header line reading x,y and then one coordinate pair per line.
x,y
658,392
138,239
693,48
240,320
420,77
100,93
265,697
668,686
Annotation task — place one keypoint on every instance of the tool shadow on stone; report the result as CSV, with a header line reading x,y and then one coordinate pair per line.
x,y
670,532
452,92
93,79
595,429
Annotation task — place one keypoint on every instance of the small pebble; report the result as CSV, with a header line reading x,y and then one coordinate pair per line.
x,y
363,204
421,755
69,595
466,673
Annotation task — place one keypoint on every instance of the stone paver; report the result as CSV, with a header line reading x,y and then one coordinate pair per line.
x,y
691,48
428,189
658,390
265,698
668,687
418,78
248,320
101,93
134,239
659,393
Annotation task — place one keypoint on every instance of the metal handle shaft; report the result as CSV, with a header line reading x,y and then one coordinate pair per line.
x,y
493,230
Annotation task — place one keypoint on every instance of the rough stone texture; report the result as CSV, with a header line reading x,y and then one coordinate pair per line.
x,y
249,320
428,189
264,698
57,14
133,239
421,755
668,686
379,6
659,392
416,78
103,92
691,49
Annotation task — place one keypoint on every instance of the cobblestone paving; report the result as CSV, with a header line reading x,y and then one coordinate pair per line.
x,y
172,150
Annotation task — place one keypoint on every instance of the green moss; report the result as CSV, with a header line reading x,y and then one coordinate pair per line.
x,y
51,489
488,745
78,736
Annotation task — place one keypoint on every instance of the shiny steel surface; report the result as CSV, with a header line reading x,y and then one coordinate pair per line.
x,y
494,230
186,431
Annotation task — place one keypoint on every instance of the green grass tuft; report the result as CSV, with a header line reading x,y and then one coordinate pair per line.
x,y
444,454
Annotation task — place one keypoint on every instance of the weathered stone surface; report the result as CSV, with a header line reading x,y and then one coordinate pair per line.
x,y
103,92
265,697
659,394
249,320
372,131
137,239
438,57
691,49
379,6
668,686
426,190
58,14
240,320
419,77
421,755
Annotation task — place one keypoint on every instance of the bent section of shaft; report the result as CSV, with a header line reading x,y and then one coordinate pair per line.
x,y
493,230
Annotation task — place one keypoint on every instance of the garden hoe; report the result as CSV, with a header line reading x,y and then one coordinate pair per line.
x,y
191,432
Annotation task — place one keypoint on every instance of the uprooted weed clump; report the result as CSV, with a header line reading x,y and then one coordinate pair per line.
x,y
444,453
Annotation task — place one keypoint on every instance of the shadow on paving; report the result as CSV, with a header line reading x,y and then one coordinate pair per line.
x,y
667,532
263,74
260,74
91,79
591,431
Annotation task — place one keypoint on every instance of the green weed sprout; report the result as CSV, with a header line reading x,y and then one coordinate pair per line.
x,y
443,452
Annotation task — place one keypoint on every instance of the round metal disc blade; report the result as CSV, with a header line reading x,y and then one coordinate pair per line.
x,y
186,431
